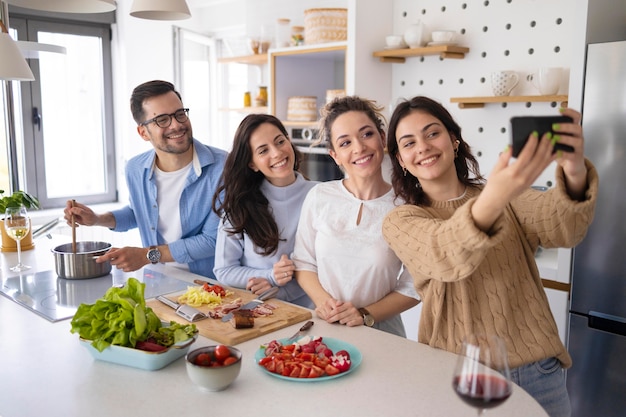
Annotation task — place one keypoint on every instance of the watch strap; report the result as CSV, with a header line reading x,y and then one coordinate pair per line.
x,y
368,319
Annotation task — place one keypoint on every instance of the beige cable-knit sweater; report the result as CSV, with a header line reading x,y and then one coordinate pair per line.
x,y
470,281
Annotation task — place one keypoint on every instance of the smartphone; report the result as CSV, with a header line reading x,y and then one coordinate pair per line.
x,y
522,127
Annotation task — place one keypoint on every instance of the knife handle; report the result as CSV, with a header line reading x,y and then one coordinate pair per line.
x,y
266,295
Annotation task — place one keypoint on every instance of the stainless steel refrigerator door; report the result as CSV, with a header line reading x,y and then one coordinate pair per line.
x,y
599,267
596,380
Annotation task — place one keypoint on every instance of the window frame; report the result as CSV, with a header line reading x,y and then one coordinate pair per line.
x,y
32,170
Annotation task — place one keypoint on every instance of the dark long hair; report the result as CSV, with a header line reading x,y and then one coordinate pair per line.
x,y
408,187
243,204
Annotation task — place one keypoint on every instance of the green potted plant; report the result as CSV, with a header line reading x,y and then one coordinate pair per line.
x,y
15,200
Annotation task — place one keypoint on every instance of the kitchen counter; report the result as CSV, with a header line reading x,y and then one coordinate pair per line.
x,y
46,372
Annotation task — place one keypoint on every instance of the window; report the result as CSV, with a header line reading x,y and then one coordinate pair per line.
x,y
64,146
195,79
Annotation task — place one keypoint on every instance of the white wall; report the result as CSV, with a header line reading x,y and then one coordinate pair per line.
x,y
143,51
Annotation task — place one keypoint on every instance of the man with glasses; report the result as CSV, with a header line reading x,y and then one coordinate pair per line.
x,y
170,189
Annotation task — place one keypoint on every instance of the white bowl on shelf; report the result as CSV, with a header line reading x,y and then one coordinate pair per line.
x,y
443,36
395,42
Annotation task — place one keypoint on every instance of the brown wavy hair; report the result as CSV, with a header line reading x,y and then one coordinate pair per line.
x,y
407,187
239,198
341,105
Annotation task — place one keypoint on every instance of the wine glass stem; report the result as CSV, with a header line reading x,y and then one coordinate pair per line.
x,y
19,253
481,412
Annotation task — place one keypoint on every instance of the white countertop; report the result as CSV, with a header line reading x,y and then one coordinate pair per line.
x,y
46,372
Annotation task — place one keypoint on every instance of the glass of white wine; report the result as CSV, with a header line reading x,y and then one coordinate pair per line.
x,y
17,225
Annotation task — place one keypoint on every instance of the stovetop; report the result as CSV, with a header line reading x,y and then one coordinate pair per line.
x,y
54,298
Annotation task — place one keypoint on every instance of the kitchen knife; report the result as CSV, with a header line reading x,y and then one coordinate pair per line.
x,y
187,312
300,332
249,306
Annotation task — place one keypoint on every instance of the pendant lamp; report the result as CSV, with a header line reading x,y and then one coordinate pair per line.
x,y
13,66
160,9
67,6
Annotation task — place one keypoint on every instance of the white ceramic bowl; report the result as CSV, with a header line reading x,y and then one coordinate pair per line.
x,y
394,41
443,35
212,378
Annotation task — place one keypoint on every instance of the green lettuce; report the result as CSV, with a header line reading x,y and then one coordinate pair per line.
x,y
120,318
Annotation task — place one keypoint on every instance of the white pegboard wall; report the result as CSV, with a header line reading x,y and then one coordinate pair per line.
x,y
518,35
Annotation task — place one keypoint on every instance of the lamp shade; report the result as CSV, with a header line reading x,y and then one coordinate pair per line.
x,y
160,9
13,66
67,6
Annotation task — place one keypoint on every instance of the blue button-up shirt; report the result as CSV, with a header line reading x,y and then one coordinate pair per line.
x,y
199,223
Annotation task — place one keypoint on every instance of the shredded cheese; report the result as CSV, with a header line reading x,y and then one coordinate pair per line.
x,y
197,296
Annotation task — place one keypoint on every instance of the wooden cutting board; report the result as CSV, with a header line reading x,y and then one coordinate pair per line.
x,y
284,315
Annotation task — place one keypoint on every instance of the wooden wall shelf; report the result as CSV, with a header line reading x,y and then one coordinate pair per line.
x,y
290,123
478,102
399,55
258,59
246,110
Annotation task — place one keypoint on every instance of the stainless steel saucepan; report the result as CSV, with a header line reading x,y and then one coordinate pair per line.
x,y
82,264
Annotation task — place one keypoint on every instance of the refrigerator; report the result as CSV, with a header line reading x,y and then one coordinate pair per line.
x,y
597,318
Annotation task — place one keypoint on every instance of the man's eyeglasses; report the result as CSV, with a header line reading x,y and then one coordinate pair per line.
x,y
165,120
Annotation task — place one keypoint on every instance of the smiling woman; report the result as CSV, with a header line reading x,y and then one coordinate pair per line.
x,y
260,195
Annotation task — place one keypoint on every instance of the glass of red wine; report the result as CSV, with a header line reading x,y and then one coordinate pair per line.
x,y
482,377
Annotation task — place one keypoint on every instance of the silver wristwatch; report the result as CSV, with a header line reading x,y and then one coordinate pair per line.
x,y
154,254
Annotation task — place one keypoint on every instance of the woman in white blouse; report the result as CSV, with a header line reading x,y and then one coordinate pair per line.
x,y
341,259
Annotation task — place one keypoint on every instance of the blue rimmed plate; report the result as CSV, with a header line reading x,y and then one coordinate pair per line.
x,y
333,344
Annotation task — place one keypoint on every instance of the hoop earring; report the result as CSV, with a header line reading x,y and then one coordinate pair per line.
x,y
456,153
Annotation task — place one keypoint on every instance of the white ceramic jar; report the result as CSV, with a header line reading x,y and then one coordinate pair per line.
x,y
414,36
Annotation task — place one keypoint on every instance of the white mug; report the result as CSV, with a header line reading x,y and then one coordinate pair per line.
x,y
546,80
503,82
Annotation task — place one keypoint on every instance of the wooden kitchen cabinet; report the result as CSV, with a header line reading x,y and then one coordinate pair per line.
x,y
310,70
257,59
305,71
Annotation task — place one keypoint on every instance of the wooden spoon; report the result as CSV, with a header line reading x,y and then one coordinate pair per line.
x,y
73,229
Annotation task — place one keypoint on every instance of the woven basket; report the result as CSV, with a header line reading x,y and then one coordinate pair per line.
x,y
325,25
302,109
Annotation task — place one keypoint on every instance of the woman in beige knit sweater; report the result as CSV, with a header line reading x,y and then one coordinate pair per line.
x,y
470,244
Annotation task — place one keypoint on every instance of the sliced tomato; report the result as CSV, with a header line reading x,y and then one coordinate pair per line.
x,y
331,370
280,367
296,370
265,360
316,372
321,362
271,366
304,371
307,357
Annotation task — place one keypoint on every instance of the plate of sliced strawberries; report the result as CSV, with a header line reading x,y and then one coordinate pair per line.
x,y
308,359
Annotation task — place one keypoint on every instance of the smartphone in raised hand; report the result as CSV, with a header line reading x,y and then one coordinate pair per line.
x,y
523,126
